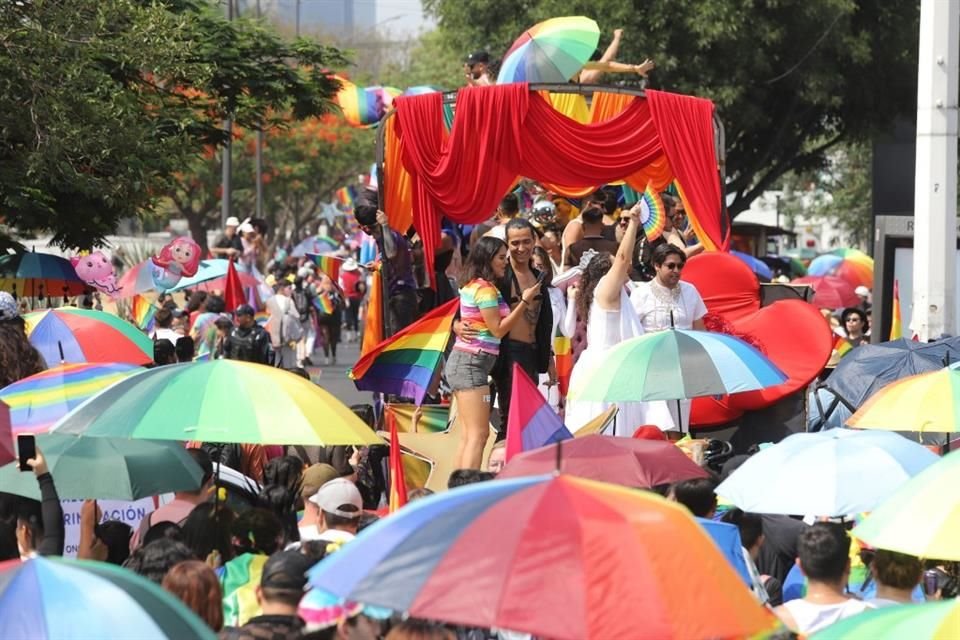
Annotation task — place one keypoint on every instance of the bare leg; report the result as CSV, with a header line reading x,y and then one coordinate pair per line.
x,y
474,412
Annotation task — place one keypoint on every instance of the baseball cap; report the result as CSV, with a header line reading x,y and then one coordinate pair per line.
x,y
337,494
315,476
232,221
862,291
478,57
245,310
286,570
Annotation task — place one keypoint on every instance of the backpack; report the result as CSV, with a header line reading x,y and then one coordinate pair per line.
x,y
301,300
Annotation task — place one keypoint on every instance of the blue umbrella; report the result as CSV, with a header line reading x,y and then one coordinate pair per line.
x,y
314,244
831,473
209,270
824,265
756,265
727,538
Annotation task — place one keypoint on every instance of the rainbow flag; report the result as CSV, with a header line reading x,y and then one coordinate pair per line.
x,y
239,579
261,318
842,346
323,302
373,320
406,363
531,423
328,265
896,327
398,483
143,313
345,197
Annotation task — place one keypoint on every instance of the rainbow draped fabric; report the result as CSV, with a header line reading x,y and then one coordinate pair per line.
x,y
405,363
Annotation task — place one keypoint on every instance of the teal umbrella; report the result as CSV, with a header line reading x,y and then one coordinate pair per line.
x,y
106,468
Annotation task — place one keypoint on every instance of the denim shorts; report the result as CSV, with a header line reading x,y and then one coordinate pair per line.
x,y
467,370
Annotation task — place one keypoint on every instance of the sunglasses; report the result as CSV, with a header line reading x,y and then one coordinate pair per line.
x,y
673,266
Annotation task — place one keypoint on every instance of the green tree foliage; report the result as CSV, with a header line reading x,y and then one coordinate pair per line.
x,y
790,79
101,103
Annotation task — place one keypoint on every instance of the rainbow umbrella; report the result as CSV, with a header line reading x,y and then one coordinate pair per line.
x,y
38,401
677,364
852,265
830,292
927,621
219,401
56,598
926,403
38,275
68,334
922,518
836,472
551,51
433,559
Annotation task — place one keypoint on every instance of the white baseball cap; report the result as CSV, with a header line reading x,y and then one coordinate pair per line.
x,y
862,291
337,494
232,221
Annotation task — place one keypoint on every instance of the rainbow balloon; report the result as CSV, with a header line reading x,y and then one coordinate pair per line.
x,y
653,215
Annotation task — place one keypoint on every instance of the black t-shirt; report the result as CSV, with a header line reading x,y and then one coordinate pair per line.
x,y
223,242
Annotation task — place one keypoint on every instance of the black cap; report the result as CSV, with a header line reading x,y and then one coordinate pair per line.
x,y
478,57
245,310
286,570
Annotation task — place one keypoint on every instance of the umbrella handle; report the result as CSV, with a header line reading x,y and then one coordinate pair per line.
x,y
63,360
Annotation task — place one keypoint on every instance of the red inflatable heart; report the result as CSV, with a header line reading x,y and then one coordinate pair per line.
x,y
792,333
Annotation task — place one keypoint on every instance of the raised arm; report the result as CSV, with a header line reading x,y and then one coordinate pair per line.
x,y
608,289
589,76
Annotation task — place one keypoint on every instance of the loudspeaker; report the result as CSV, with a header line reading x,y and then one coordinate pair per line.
x,y
770,293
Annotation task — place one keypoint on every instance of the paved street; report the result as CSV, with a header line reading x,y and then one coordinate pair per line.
x,y
334,378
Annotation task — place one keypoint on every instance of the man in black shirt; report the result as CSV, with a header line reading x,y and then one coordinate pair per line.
x,y
229,243
248,341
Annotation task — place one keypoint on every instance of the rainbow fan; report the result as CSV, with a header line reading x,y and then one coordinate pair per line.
x,y
653,215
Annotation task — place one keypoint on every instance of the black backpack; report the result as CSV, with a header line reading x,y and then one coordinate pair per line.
x,y
301,301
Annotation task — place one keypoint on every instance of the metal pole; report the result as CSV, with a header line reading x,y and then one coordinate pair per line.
x,y
259,154
297,23
935,199
227,155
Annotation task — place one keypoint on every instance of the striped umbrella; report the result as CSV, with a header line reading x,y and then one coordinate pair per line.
x,y
926,403
47,598
219,401
37,402
921,518
433,559
551,51
852,265
677,364
927,621
37,275
68,334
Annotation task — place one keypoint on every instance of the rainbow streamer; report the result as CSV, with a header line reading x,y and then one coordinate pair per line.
x,y
653,215
328,265
896,324
143,313
406,363
398,483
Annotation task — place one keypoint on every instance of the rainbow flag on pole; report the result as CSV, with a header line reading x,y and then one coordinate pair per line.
x,y
896,327
398,483
532,422
143,313
328,265
405,363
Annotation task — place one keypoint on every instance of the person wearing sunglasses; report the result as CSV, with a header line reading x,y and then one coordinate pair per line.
x,y
664,303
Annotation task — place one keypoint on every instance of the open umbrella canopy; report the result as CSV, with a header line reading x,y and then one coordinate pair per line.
x,y
624,461
46,598
927,621
830,473
573,559
756,265
38,275
551,51
219,401
925,402
830,292
107,468
923,517
72,335
315,244
786,264
139,279
38,401
678,364
851,265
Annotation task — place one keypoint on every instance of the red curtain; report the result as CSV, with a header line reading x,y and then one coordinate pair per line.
x,y
685,125
505,131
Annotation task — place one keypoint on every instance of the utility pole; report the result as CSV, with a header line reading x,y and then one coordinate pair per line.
x,y
297,20
227,154
259,154
935,199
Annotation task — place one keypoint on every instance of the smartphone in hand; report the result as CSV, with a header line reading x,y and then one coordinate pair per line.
x,y
26,449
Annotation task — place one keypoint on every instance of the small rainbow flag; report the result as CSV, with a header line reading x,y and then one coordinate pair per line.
x,y
398,483
324,303
345,197
239,579
896,326
405,363
261,318
143,313
842,346
532,422
653,215
328,265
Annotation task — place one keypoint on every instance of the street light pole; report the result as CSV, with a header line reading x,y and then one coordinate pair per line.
x,y
227,154
259,154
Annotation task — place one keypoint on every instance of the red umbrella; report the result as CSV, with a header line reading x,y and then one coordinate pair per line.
x,y
830,292
233,295
623,461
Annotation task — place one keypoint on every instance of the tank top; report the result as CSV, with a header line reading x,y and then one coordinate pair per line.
x,y
812,617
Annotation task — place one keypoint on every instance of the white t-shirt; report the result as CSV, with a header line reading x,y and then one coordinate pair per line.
x,y
654,303
167,334
811,617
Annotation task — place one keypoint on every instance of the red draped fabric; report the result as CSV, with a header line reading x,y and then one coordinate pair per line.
x,y
505,131
685,125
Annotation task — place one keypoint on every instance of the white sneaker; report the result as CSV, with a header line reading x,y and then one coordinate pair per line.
x,y
326,361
